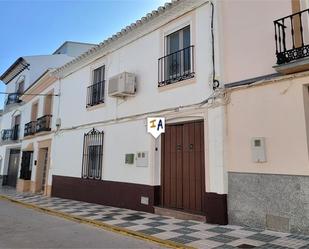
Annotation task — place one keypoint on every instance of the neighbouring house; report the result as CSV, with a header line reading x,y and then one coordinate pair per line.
x,y
231,80
20,78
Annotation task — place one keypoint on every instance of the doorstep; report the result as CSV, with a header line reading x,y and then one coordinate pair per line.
x,y
179,214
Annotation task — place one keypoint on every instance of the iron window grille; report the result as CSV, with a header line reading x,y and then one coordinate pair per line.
x,y
10,134
92,155
43,123
96,92
12,98
291,37
178,63
30,128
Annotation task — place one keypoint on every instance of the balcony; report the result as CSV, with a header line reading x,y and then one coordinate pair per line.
x,y
292,42
10,134
43,123
12,98
176,67
95,94
30,128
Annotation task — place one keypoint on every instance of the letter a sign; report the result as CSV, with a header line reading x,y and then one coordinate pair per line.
x,y
156,126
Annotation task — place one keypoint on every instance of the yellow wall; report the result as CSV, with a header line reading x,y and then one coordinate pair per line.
x,y
277,112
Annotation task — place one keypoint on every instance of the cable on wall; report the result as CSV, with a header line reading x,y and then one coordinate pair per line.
x,y
215,83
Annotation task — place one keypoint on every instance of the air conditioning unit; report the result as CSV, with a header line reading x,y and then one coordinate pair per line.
x,y
122,85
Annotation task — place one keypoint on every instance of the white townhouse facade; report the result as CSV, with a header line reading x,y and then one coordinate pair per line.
x,y
102,150
178,59
20,78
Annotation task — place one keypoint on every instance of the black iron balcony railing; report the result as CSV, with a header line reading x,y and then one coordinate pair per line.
x,y
95,94
10,134
43,123
176,66
12,98
30,128
292,37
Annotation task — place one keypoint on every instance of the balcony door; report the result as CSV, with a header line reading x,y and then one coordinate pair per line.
x,y
15,127
34,112
178,51
98,84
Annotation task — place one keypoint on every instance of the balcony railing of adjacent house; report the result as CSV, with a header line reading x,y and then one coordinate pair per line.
x,y
176,66
292,37
10,134
95,94
12,98
30,128
43,123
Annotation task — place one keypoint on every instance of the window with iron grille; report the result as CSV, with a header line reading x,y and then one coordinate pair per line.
x,y
178,63
93,154
96,91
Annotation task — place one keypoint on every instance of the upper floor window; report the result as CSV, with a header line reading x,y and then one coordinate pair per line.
x,y
20,87
177,64
93,154
96,91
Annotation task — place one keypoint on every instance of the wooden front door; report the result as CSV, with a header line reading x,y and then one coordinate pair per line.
x,y
183,170
13,168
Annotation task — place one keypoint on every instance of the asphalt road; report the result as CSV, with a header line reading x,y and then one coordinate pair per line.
x,y
21,227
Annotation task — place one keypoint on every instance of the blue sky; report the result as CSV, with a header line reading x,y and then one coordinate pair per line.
x,y
40,26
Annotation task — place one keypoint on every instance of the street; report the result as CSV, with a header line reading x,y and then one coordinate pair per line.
x,y
25,228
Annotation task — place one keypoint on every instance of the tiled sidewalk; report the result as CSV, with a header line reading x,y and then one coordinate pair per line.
x,y
191,233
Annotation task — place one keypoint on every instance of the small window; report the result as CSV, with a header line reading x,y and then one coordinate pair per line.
x,y
177,64
96,91
20,87
93,155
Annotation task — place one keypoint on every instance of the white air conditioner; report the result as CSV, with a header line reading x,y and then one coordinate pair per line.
x,y
122,85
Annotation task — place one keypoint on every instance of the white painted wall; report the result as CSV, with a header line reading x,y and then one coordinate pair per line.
x,y
139,57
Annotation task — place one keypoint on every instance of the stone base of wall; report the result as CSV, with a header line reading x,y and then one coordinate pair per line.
x,y
276,202
23,185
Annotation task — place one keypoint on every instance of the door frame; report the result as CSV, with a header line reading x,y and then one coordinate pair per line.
x,y
18,164
42,145
162,144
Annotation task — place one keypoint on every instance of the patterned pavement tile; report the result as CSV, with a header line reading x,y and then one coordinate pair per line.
x,y
240,233
219,230
133,217
126,224
184,239
246,241
298,236
184,230
205,244
166,235
155,224
151,231
186,223
192,233
223,238
272,246
289,242
263,237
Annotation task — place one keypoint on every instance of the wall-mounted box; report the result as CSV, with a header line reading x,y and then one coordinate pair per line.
x,y
142,159
129,158
258,150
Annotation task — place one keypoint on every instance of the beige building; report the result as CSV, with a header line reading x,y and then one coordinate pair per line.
x,y
267,128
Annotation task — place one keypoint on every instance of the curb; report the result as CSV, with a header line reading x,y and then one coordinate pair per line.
x,y
99,224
